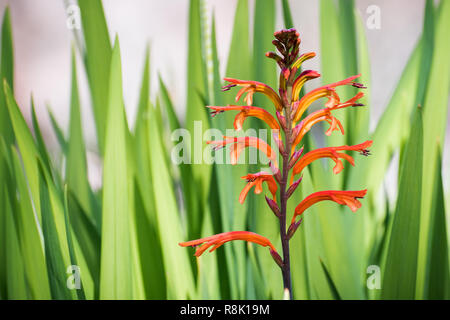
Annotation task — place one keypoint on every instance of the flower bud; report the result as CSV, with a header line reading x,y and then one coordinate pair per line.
x,y
292,228
274,206
276,257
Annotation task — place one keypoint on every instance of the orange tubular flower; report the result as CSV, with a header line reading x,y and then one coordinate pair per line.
x,y
348,198
219,239
301,80
250,87
240,143
257,180
333,154
247,111
327,91
325,115
306,56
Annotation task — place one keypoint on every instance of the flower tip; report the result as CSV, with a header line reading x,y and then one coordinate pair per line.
x,y
358,85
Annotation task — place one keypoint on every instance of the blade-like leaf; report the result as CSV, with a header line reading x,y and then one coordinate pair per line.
x,y
30,239
196,116
97,59
56,264
76,167
6,72
15,272
180,282
400,270
287,16
434,121
118,277
439,270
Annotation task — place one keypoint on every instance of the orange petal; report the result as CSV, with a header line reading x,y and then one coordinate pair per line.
x,y
240,143
221,238
306,56
250,87
324,115
301,80
348,198
331,152
256,180
247,111
325,91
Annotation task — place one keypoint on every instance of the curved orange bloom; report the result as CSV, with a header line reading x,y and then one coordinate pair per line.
x,y
219,239
327,91
325,115
240,143
348,198
250,87
247,111
333,154
306,56
256,180
301,80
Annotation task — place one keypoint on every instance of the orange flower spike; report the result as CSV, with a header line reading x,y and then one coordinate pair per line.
x,y
250,87
332,153
218,240
245,112
257,180
322,92
240,143
348,198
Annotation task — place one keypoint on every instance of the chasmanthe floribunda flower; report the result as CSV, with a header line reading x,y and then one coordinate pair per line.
x,y
290,108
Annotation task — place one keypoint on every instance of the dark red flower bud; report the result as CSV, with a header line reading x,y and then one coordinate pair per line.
x,y
293,227
293,186
276,257
274,206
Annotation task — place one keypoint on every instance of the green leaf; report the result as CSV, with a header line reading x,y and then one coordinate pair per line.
x,y
70,243
76,167
180,281
6,72
196,116
97,59
56,264
15,272
87,238
335,46
30,239
434,123
287,16
265,70
39,139
400,270
439,271
360,126
144,96
58,132
119,278
27,147
154,280
333,288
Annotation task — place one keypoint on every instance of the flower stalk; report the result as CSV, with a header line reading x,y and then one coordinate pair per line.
x,y
290,107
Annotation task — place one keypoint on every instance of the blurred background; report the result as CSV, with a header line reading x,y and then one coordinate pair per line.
x,y
42,43
120,221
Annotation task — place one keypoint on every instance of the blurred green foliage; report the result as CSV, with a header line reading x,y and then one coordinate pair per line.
x,y
124,237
